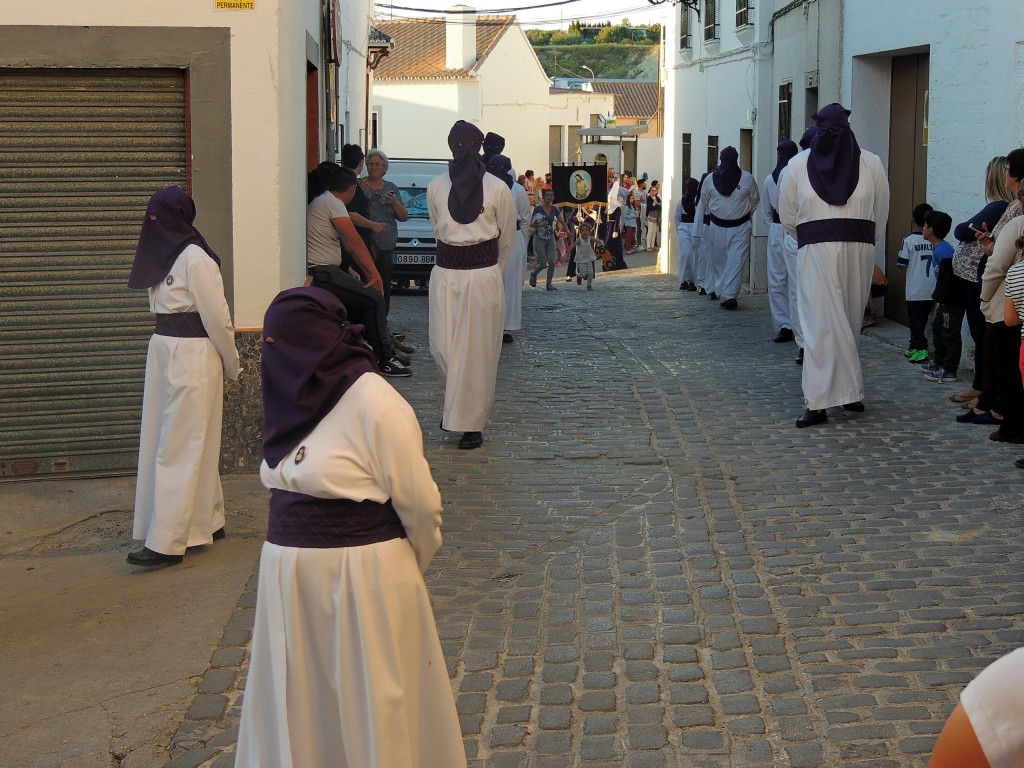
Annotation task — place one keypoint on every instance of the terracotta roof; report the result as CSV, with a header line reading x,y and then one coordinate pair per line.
x,y
419,51
632,98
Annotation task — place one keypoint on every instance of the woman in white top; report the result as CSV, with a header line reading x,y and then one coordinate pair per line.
x,y
179,501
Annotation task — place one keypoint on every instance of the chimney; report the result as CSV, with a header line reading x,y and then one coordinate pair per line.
x,y
460,37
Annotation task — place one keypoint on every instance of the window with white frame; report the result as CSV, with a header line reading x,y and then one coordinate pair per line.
x,y
712,152
744,17
710,20
684,27
785,111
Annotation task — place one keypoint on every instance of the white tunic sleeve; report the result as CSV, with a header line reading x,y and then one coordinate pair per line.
x,y
505,216
523,209
767,203
207,288
881,212
789,182
993,702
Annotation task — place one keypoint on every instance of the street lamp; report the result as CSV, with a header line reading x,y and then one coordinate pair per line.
x,y
584,66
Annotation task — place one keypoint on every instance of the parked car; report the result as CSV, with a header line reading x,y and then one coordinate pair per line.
x,y
416,249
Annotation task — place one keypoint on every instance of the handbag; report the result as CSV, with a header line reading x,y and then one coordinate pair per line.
x,y
967,257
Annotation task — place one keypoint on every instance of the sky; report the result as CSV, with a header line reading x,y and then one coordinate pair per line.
x,y
637,11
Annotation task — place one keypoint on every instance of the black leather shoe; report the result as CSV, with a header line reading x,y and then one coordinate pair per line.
x,y
856,407
219,534
701,292
784,335
729,304
506,338
1019,463
683,286
471,440
147,558
713,296
800,357
693,287
809,418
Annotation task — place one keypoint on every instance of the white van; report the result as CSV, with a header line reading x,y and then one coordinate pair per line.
x,y
416,249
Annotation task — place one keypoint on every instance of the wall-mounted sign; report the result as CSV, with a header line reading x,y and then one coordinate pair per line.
x,y
234,5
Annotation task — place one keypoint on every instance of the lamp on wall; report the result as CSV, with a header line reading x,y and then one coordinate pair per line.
x,y
584,66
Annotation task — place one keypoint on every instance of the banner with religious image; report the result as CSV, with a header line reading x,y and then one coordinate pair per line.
x,y
576,184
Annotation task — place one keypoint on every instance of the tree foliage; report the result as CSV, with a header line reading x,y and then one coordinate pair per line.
x,y
590,33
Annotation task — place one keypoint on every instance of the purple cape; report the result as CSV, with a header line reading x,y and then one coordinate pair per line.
x,y
166,231
466,198
786,151
833,167
310,356
727,175
500,166
690,196
493,145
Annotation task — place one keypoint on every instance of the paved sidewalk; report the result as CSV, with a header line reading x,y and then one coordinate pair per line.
x,y
648,565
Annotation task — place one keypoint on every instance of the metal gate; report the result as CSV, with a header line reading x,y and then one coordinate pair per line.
x,y
82,151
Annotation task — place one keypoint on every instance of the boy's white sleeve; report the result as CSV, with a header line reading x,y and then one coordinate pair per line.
x,y
903,257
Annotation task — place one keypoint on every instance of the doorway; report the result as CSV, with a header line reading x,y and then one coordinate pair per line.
x,y
908,166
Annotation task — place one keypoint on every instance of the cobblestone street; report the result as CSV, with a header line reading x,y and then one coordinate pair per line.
x,y
648,565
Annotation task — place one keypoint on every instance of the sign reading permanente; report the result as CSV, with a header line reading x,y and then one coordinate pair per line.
x,y
234,5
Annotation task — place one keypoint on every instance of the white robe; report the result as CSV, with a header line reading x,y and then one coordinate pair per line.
x,y
993,702
346,668
515,268
467,305
834,280
729,246
179,501
702,249
778,275
687,255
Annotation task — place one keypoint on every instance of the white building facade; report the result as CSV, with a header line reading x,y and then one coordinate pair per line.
x,y
935,89
112,100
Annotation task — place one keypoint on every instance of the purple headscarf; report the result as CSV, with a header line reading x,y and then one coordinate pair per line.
x,y
833,166
500,166
493,145
166,231
466,198
805,140
727,175
690,196
310,357
786,151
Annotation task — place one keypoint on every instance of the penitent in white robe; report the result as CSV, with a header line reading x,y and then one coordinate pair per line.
x,y
346,668
729,246
778,276
467,305
179,501
687,256
834,279
515,268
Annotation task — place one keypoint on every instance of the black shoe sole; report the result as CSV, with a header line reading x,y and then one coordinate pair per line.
x,y
471,440
153,559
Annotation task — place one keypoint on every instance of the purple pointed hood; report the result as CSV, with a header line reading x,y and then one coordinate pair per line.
x,y
690,194
501,166
493,145
805,140
833,166
727,176
786,151
466,198
166,231
310,356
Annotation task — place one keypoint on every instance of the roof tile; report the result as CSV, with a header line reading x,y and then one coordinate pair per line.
x,y
419,52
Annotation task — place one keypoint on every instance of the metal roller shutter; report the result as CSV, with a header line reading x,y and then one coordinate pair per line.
x,y
82,152
554,144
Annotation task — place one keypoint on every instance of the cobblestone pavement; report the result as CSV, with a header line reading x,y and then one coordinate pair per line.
x,y
648,565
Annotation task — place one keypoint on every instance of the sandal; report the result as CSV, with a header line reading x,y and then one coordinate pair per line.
x,y
970,404
968,394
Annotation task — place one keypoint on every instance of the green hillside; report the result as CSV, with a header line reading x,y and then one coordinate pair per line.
x,y
615,60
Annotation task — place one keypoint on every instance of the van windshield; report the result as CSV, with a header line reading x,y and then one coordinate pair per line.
x,y
415,201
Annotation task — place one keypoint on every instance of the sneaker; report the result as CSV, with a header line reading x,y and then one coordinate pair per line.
x,y
394,369
909,352
579,280
941,375
533,280
919,356
932,366
552,288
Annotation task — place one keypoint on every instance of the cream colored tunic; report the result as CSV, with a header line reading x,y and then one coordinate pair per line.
x,y
833,279
179,501
467,305
515,268
347,669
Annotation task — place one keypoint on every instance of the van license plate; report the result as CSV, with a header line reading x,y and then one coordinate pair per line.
x,y
414,258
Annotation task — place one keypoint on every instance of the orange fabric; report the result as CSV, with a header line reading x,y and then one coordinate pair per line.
x,y
958,746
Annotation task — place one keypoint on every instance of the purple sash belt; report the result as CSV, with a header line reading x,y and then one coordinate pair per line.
x,y
686,218
835,231
477,256
298,520
184,325
729,223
